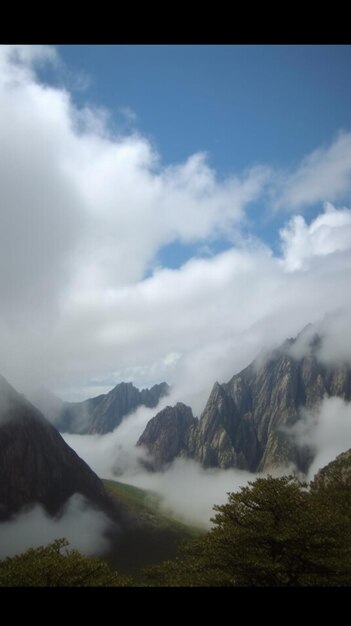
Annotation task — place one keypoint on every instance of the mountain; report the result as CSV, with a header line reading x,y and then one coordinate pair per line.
x,y
245,421
36,465
101,414
168,435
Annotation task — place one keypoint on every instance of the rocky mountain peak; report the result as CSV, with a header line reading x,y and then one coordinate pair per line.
x,y
246,421
166,435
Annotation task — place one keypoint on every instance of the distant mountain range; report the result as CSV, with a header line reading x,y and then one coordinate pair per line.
x,y
244,424
246,421
101,414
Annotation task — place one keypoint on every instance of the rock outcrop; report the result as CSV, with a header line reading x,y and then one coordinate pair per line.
x,y
168,435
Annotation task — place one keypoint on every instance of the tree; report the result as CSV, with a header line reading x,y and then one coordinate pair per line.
x,y
56,566
274,532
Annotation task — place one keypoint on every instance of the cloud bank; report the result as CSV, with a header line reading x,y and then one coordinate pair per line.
x,y
186,490
83,527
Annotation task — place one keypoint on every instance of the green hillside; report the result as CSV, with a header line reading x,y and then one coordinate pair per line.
x,y
144,507
152,536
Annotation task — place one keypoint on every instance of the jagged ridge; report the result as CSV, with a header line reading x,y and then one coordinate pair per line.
x,y
101,414
245,421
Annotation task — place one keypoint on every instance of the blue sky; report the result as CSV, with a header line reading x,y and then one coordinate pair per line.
x,y
169,211
242,105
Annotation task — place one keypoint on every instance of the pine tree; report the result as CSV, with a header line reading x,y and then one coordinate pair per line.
x,y
56,566
273,532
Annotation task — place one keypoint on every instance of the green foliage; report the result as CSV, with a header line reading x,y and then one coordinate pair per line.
x,y
274,532
56,566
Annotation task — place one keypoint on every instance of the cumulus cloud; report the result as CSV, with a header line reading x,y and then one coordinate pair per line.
x,y
82,526
216,314
325,174
328,233
85,211
89,200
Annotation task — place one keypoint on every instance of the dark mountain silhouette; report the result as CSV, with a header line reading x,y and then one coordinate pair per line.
x,y
36,465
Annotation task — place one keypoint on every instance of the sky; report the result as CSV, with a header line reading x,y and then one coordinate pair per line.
x,y
169,211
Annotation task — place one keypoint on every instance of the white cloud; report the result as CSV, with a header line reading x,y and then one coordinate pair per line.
x,y
327,429
325,174
332,432
216,314
188,491
329,232
335,348
111,454
83,213
83,527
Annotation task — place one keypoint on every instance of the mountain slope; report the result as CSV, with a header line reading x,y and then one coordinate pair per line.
x,y
101,414
151,537
36,465
245,421
337,471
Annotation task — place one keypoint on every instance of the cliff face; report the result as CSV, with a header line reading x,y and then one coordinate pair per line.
x,y
101,414
36,465
245,421
166,436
